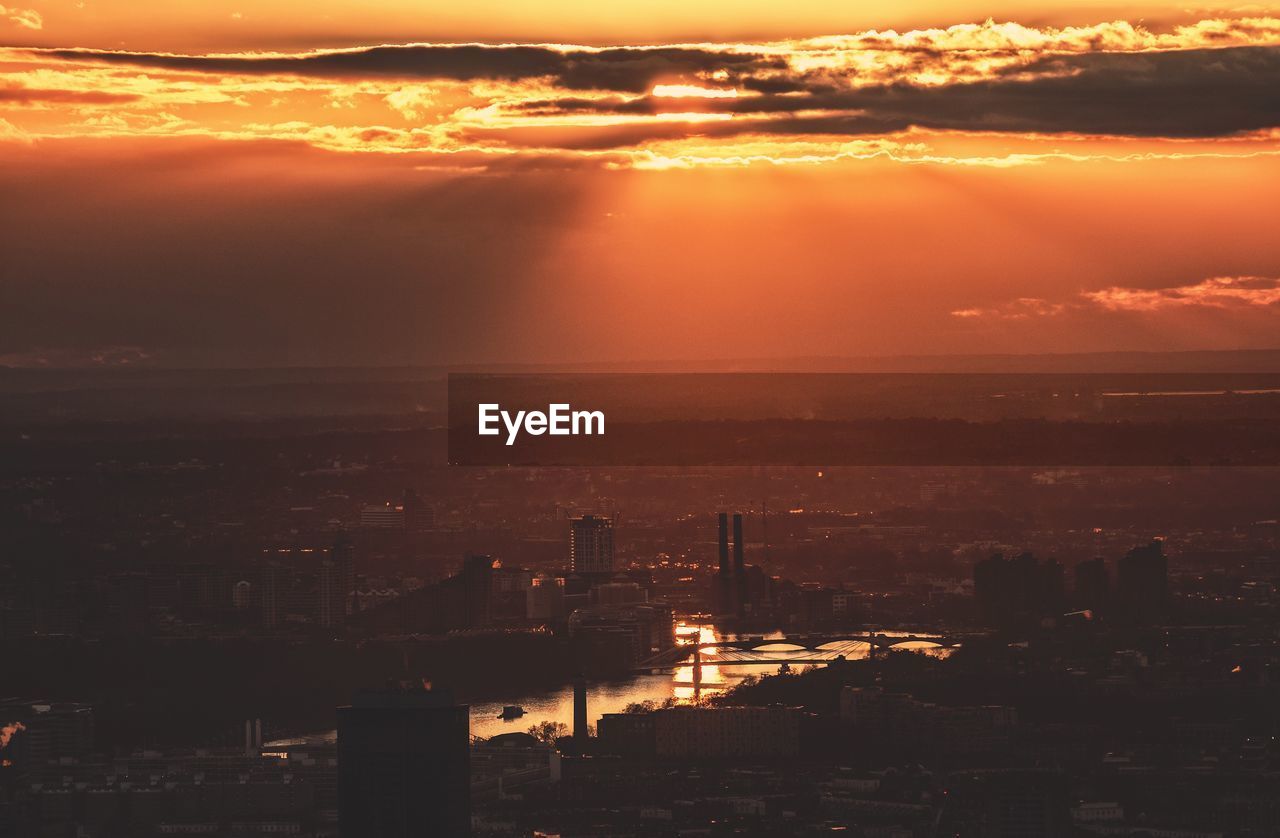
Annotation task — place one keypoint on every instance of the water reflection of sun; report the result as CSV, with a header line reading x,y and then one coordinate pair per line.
x,y
713,681
717,679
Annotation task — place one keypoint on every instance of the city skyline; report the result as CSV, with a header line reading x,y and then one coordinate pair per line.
x,y
554,419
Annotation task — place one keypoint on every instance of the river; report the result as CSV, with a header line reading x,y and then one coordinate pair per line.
x,y
613,696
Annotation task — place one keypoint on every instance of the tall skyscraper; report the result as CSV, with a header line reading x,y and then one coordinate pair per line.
x,y
417,515
404,764
1093,585
334,582
269,583
1142,584
476,580
591,544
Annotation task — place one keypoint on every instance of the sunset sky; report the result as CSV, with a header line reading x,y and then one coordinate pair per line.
x,y
285,183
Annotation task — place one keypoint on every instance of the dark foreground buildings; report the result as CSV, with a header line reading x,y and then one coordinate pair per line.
x,y
404,764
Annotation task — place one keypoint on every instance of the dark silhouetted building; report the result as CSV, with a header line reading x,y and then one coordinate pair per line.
x,y
1092,585
545,598
1026,804
476,581
382,516
417,515
614,639
591,544
335,579
1012,592
1142,583
404,764
703,733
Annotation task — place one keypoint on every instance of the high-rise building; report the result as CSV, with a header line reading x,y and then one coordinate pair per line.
x,y
476,580
1093,585
1142,583
591,544
330,598
1018,591
417,515
404,764
269,584
335,579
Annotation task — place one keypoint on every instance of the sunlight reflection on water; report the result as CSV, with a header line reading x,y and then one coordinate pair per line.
x,y
614,696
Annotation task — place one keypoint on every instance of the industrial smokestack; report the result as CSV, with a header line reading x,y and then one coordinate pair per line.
x,y
580,714
724,544
248,738
257,732
739,567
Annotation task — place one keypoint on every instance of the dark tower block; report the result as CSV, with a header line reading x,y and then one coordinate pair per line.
x,y
404,764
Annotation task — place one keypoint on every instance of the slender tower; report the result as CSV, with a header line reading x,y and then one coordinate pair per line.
x,y
724,580
739,567
724,543
580,740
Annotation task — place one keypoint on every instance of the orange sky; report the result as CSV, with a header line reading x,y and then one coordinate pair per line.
x,y
277,182
201,25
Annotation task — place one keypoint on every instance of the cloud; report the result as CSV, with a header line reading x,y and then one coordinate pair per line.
x,y
632,69
1216,292
411,102
1208,82
1019,309
106,356
1192,93
22,18
10,133
1219,292
870,256
20,95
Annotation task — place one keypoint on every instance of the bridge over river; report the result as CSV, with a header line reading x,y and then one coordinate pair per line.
x,y
797,649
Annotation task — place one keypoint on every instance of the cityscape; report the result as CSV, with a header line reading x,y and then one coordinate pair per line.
x,y
273,628
639,419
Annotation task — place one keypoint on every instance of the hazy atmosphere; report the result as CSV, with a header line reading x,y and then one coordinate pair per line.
x,y
202,184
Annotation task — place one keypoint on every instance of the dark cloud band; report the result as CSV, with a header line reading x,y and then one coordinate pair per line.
x,y
1180,94
628,69
1184,94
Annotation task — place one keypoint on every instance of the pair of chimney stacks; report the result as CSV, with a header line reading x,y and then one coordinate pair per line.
x,y
739,566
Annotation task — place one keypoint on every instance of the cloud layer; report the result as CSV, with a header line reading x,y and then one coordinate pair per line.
x,y
984,187
1220,292
778,101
